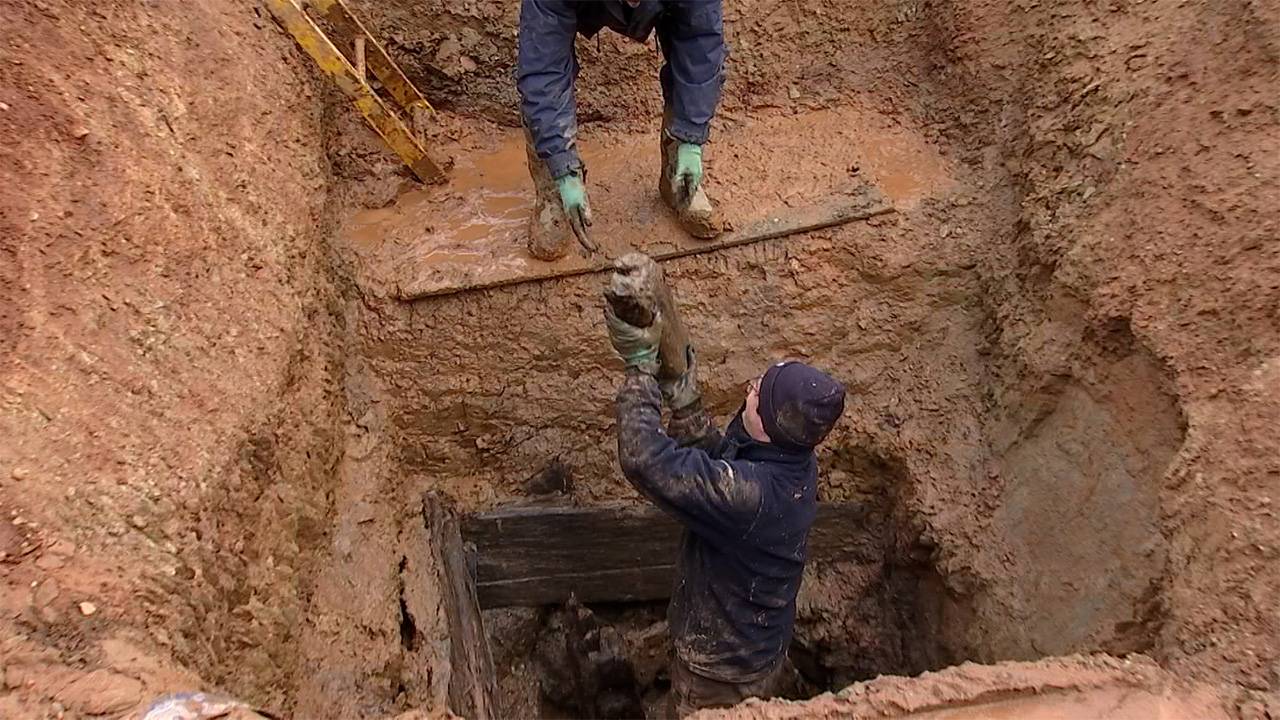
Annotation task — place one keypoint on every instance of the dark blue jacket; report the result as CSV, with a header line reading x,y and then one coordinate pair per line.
x,y
747,508
692,36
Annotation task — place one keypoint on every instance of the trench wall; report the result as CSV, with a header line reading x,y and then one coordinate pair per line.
x,y
170,351
1130,339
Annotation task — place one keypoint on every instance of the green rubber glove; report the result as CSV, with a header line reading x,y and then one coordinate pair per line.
x,y
573,197
637,346
682,392
688,169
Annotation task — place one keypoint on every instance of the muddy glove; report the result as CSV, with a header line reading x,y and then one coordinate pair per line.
x,y
573,197
637,346
682,392
688,170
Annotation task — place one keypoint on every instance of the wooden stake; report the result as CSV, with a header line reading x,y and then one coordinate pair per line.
x,y
472,686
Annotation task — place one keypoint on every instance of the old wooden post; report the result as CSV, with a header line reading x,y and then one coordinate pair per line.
x,y
472,686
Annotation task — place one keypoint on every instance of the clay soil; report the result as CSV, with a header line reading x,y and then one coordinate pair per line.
x,y
1057,689
1063,349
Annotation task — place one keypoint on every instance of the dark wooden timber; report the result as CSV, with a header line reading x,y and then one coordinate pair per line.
x,y
541,555
472,688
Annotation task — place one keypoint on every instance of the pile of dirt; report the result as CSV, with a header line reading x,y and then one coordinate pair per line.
x,y
1070,688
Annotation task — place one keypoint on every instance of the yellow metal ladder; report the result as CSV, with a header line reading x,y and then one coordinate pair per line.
x,y
348,61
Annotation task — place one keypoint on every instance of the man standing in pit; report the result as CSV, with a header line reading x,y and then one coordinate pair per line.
x,y
746,500
691,34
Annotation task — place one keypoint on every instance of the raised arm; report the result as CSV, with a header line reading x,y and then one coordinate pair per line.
x,y
705,494
690,424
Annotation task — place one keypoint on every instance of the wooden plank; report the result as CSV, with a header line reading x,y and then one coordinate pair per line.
x,y
638,584
518,267
530,542
540,555
472,686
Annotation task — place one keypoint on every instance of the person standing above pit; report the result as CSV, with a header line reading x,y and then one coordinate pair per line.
x,y
691,33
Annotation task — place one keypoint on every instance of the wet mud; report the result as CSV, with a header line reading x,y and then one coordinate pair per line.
x,y
473,230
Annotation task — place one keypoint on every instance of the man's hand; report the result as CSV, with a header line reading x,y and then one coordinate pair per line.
x,y
682,392
637,346
688,170
573,197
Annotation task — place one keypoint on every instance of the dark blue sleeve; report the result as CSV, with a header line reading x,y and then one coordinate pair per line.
x,y
708,496
692,37
546,68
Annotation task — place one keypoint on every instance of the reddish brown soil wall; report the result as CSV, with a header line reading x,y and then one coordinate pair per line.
x,y
169,351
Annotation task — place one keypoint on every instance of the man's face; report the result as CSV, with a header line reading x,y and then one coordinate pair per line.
x,y
751,415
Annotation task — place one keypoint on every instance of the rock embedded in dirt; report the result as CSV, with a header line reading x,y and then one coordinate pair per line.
x,y
11,541
101,692
199,705
649,650
55,555
44,601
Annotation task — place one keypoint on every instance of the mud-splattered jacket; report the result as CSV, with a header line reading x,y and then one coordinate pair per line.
x,y
746,507
691,33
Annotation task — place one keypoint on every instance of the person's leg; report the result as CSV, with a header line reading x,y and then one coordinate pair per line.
x,y
696,212
690,692
766,687
550,233
667,144
550,236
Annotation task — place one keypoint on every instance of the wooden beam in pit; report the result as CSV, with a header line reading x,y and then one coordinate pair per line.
x,y
539,555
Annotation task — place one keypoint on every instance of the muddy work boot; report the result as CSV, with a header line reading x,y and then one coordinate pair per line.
x,y
551,234
693,208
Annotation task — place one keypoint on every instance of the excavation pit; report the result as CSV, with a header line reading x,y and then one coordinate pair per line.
x,y
224,391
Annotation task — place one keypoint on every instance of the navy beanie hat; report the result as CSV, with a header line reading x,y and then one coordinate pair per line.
x,y
799,405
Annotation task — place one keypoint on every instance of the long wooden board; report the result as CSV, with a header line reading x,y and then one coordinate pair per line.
x,y
472,688
538,555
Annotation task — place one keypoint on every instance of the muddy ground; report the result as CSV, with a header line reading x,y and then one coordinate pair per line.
x,y
1069,687
216,422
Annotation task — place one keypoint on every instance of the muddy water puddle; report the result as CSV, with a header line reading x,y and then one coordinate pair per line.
x,y
904,170
481,214
473,228
483,208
